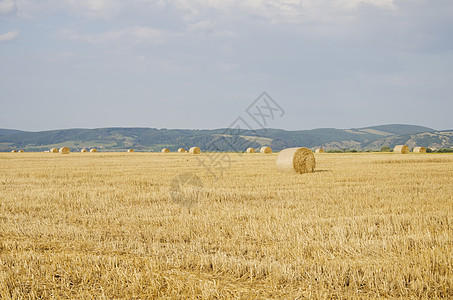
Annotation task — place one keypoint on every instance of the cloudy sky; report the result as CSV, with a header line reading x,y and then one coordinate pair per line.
x,y
201,63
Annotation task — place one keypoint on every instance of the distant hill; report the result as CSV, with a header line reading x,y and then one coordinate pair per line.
x,y
8,131
434,140
395,129
152,139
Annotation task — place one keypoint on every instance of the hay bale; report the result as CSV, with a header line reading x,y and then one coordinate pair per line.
x,y
21,151
165,150
320,150
187,151
130,150
194,150
83,150
13,151
181,150
296,160
54,150
265,150
250,150
419,150
64,150
402,149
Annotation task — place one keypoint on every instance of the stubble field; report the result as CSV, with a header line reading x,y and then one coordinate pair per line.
x,y
104,225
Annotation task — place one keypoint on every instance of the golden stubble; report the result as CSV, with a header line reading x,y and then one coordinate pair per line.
x,y
106,226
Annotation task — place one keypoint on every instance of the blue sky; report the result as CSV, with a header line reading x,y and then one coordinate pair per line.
x,y
199,64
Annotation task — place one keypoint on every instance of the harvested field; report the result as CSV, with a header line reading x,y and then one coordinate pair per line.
x,y
106,226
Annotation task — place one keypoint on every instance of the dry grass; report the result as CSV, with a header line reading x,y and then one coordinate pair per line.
x,y
104,227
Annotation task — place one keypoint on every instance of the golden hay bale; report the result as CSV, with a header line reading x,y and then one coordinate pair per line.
x,y
54,150
181,150
187,151
64,150
94,150
402,149
296,160
13,151
21,151
83,150
419,150
250,150
194,150
320,150
130,150
165,150
265,150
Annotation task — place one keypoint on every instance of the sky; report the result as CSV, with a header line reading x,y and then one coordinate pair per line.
x,y
200,64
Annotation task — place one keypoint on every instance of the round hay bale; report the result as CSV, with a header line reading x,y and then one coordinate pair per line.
x,y
94,150
250,150
265,150
194,150
54,150
21,151
296,160
165,150
64,150
181,150
187,151
130,150
320,150
419,150
402,149
83,150
13,151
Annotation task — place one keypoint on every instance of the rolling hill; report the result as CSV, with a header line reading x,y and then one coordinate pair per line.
x,y
8,131
152,139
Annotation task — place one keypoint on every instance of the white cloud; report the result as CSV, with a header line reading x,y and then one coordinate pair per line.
x,y
91,9
353,4
134,34
286,11
208,28
7,7
9,36
104,9
298,11
201,26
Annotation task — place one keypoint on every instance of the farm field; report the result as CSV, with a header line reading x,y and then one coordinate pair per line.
x,y
105,225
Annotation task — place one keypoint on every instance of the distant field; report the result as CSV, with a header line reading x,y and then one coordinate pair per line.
x,y
106,226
